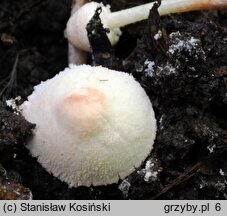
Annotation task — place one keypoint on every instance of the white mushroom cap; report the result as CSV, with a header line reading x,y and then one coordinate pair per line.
x,y
76,26
93,125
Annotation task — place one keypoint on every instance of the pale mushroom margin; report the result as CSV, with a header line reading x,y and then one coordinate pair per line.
x,y
93,125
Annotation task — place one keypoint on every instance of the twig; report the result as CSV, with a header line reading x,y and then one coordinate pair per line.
x,y
191,171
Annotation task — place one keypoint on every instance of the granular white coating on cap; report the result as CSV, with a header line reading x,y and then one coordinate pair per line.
x,y
93,125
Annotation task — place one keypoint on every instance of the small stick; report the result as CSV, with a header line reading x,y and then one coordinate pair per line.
x,y
182,178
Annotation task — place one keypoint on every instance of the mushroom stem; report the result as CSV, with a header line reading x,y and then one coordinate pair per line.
x,y
76,26
125,17
77,4
76,55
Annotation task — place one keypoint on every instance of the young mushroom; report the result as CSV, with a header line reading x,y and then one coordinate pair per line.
x,y
93,125
76,26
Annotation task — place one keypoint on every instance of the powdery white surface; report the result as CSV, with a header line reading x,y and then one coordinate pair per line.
x,y
167,69
211,148
189,44
93,125
13,103
124,187
149,70
158,36
150,172
221,172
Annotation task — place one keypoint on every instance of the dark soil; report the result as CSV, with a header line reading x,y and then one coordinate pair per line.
x,y
184,73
